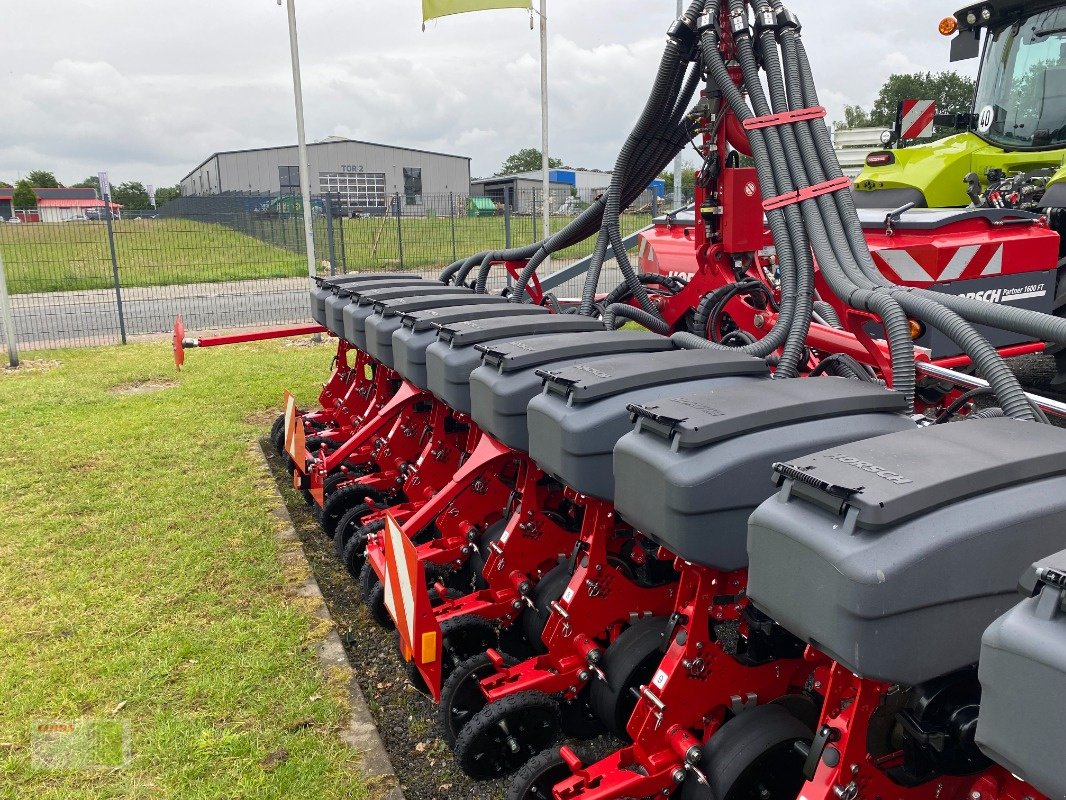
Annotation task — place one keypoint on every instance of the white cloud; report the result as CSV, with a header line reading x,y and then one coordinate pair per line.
x,y
148,90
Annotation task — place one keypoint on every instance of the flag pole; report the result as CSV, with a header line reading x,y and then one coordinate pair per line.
x,y
546,211
301,139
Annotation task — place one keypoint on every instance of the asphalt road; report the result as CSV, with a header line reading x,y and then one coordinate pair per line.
x,y
63,319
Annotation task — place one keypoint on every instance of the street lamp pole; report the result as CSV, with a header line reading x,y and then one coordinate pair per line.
x,y
301,138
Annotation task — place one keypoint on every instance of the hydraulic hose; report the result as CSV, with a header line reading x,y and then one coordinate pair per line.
x,y
849,244
616,314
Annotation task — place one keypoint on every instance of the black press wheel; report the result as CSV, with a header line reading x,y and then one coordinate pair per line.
x,y
277,434
373,593
341,501
414,676
752,757
536,779
503,736
463,637
334,480
354,554
577,718
476,564
461,696
347,525
551,587
628,663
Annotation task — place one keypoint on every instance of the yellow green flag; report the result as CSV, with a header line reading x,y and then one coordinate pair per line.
x,y
431,9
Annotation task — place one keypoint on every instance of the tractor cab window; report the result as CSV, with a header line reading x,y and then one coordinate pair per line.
x,y
1021,95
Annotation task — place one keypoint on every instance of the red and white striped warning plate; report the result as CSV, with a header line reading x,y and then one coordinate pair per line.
x,y
917,119
407,601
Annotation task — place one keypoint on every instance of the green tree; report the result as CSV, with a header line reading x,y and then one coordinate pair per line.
x,y
43,179
855,117
24,196
688,180
164,194
5,185
952,93
92,182
131,195
527,159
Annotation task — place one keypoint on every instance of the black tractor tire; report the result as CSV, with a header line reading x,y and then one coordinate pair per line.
x,y
500,738
629,663
533,620
461,696
752,757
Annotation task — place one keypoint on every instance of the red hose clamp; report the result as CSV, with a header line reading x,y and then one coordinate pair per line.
x,y
787,118
811,192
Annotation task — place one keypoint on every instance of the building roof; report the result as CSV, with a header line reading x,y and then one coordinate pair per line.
x,y
518,177
73,202
65,194
6,194
325,143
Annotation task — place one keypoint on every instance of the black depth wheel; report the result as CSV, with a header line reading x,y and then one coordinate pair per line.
x,y
461,696
277,434
503,736
333,481
752,757
338,504
536,779
578,719
414,676
463,637
347,525
628,663
354,555
476,564
373,592
551,587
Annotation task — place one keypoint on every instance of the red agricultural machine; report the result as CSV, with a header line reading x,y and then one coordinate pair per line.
x,y
769,543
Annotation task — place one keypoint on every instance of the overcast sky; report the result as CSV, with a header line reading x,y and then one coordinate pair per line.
x,y
147,90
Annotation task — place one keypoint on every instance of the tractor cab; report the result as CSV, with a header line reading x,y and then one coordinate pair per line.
x,y
1011,147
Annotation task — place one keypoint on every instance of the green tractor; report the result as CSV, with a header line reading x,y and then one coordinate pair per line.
x,y
1010,151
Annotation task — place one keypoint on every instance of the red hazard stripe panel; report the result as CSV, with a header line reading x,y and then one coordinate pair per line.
x,y
918,118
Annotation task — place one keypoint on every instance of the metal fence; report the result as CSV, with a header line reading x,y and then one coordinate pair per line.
x,y
239,261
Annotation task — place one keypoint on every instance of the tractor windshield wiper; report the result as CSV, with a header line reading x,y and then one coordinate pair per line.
x,y
1048,32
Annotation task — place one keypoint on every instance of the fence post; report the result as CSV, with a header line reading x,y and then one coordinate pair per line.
x,y
654,204
533,213
399,226
507,224
114,268
326,201
451,213
7,318
344,247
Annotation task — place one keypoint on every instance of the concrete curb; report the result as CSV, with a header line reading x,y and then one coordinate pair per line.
x,y
361,733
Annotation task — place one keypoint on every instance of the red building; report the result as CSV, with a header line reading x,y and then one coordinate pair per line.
x,y
60,205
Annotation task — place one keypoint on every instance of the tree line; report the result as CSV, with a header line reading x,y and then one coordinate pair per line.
x,y
131,195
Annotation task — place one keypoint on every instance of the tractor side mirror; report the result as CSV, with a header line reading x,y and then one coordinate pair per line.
x,y
966,45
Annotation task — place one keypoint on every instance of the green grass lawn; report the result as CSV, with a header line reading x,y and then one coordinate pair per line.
x,y
69,256
74,256
141,580
427,241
